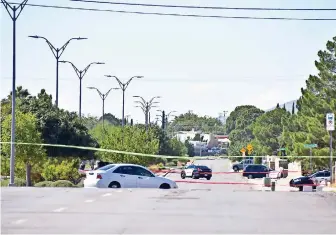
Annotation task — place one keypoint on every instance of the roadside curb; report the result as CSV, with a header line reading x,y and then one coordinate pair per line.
x,y
329,189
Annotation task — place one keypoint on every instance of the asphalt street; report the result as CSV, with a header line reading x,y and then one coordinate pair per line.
x,y
191,209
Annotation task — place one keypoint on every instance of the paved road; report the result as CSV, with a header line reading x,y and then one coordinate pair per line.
x,y
191,209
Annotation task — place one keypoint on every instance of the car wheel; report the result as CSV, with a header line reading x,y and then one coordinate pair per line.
x,y
183,176
250,176
164,186
208,178
300,188
235,169
114,184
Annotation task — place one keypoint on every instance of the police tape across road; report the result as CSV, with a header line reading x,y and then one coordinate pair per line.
x,y
144,154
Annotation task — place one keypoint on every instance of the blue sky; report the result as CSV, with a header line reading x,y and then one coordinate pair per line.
x,y
199,64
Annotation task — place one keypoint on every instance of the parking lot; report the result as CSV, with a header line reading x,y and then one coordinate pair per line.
x,y
193,208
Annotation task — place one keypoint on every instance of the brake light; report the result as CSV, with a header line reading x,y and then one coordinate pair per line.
x,y
99,176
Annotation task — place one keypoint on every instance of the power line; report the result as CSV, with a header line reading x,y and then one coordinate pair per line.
x,y
227,80
207,7
179,15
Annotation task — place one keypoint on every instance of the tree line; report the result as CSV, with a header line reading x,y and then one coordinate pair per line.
x,y
39,121
269,132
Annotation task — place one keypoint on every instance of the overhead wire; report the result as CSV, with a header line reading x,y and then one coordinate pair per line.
x,y
177,14
206,7
181,80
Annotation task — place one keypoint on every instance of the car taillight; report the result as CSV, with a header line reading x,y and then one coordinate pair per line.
x,y
99,176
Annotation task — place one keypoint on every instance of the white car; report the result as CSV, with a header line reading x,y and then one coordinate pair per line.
x,y
126,176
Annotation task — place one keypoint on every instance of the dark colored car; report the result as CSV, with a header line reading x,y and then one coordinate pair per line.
x,y
256,171
310,180
196,172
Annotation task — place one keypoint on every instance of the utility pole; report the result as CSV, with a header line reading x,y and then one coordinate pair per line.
x,y
57,52
14,13
80,74
146,106
123,87
103,97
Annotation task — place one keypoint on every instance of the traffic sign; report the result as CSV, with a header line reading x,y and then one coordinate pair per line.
x,y
330,122
243,150
249,147
310,146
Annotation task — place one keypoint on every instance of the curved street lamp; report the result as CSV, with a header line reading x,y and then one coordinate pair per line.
x,y
80,74
123,87
57,52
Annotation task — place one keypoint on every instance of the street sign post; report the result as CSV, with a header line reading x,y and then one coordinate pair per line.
x,y
330,126
310,147
330,122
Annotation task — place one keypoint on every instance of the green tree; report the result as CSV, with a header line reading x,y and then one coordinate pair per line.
x,y
238,124
267,131
26,132
57,126
317,99
189,121
293,108
111,119
130,139
190,148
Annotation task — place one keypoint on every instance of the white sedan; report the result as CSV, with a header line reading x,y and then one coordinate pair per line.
x,y
126,176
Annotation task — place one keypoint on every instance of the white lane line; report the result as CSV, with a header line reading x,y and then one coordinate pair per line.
x,y
20,221
60,209
106,194
89,200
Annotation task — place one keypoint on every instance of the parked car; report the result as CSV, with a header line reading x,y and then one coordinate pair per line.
x,y
310,180
256,171
126,176
196,172
240,166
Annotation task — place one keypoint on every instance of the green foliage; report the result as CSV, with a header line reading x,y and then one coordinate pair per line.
x,y
267,131
44,184
63,184
238,124
17,181
27,156
61,169
131,139
111,119
189,121
57,126
317,99
190,149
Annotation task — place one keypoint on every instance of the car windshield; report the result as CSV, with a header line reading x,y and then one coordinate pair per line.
x,y
107,167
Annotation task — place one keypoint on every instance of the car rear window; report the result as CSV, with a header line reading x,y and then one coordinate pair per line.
x,y
107,167
203,167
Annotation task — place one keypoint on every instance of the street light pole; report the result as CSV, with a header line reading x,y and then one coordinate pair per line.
x,y
80,75
14,13
103,97
57,52
146,106
123,87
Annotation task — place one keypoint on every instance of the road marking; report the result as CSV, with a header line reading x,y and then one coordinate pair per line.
x,y
20,221
106,194
60,209
90,200
119,191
